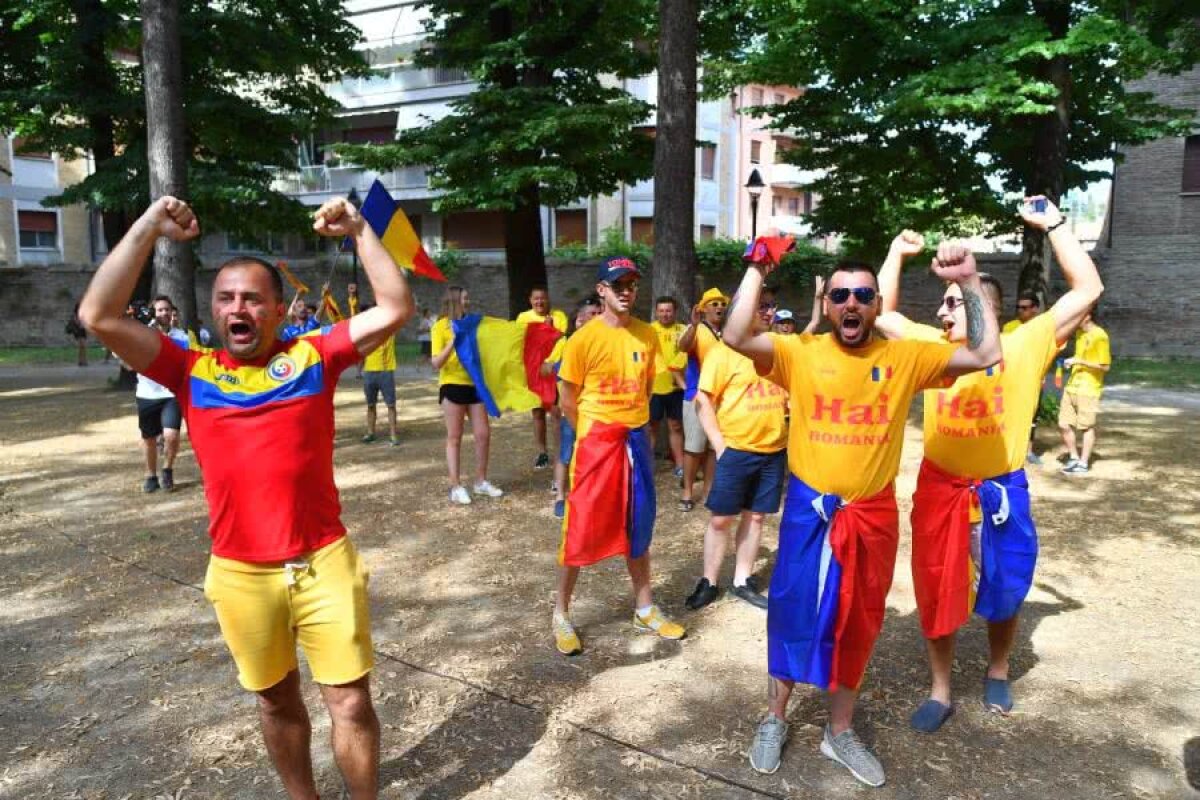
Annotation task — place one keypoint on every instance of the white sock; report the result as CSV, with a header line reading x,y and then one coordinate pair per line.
x,y
645,610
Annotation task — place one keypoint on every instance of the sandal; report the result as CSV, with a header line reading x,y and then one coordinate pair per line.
x,y
687,505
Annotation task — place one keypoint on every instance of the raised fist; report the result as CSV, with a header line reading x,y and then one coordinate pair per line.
x,y
337,217
172,218
1040,219
818,287
908,243
954,262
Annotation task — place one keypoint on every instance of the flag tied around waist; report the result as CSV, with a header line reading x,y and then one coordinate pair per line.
x,y
504,361
396,233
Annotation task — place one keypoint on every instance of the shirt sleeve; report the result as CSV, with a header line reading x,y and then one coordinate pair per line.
x,y
336,347
929,363
712,376
170,367
439,335
556,353
559,319
919,332
574,365
784,360
1100,352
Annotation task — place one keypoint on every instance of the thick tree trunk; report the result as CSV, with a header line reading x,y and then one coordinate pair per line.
x,y
1049,151
675,151
523,251
165,132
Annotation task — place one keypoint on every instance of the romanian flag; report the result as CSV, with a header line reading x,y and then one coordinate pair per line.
x,y
500,356
291,278
330,307
832,575
397,234
768,249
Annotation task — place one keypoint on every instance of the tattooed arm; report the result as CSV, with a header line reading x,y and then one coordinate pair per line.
x,y
955,263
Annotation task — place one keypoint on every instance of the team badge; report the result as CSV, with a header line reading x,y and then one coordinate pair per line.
x,y
281,368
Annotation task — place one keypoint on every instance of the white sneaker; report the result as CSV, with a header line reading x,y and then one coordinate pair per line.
x,y
485,489
459,495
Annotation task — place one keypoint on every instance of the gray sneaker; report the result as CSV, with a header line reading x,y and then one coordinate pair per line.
x,y
768,744
849,751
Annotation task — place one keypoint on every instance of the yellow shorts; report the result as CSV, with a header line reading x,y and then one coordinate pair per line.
x,y
318,601
1078,411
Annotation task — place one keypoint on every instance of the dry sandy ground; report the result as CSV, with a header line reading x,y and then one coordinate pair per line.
x,y
115,683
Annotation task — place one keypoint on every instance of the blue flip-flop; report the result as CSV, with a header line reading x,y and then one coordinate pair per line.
x,y
931,715
996,695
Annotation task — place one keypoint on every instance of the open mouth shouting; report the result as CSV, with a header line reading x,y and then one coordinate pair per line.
x,y
852,328
241,333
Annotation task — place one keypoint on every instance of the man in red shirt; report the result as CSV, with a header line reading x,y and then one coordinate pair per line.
x,y
282,571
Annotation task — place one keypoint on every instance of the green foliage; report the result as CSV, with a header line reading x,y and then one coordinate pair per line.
x,y
544,118
913,108
253,75
612,244
1047,411
450,261
720,261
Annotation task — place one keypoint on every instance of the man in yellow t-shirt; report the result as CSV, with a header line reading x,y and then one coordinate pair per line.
x,y
1028,308
697,339
379,377
849,394
743,414
666,402
974,541
539,311
607,374
1081,396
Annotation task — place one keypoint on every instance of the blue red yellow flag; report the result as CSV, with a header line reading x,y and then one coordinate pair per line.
x,y
392,227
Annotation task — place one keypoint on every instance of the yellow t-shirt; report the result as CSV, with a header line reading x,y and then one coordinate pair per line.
x,y
382,358
705,340
452,371
978,427
613,369
1091,345
1011,326
849,406
750,408
668,347
557,318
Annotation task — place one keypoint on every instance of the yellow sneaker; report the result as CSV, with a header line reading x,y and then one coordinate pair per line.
x,y
657,622
565,637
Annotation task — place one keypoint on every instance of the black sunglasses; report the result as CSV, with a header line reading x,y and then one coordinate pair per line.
x,y
865,295
1025,306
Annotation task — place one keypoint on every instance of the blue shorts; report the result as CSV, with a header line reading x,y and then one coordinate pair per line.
x,y
566,441
747,482
668,405
376,383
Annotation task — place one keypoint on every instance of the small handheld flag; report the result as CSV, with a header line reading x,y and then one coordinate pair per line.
x,y
396,233
330,307
768,249
291,278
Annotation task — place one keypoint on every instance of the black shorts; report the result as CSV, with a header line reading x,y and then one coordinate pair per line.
x,y
458,393
155,415
426,348
666,405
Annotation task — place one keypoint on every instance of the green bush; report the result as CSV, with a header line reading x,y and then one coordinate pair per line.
x,y
450,261
720,261
1047,413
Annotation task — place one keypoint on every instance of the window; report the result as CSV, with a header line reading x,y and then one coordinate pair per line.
x,y
776,205
780,99
38,229
1191,164
756,97
708,233
794,206
643,229
808,202
379,134
21,150
708,161
570,227
755,152
474,230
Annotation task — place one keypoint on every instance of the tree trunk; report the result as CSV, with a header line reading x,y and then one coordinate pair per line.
x,y
675,151
1049,151
523,251
165,132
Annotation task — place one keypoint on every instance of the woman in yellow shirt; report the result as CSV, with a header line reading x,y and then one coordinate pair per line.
x,y
458,399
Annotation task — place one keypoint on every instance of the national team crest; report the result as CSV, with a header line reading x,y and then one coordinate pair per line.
x,y
282,368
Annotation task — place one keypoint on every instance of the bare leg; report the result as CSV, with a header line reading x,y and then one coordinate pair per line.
x,y
1068,437
170,447
370,420
288,736
565,588
560,480
749,533
150,455
778,692
454,415
355,736
715,539
391,421
691,465
639,576
1000,644
841,710
675,437
1089,440
82,344
941,659
539,428
481,432
710,471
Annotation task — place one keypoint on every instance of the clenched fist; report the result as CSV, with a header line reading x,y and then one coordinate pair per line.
x,y
171,217
338,217
954,262
908,243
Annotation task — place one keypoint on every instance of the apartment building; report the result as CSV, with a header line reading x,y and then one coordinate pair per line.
x,y
32,234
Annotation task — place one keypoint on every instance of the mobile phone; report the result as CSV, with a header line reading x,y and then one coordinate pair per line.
x,y
1039,205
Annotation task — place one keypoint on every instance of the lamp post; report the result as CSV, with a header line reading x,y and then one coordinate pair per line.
x,y
755,186
353,198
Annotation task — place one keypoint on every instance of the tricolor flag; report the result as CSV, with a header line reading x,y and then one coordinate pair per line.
x,y
329,306
291,278
503,359
881,373
996,369
397,234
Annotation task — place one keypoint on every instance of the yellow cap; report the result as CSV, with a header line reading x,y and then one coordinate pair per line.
x,y
711,296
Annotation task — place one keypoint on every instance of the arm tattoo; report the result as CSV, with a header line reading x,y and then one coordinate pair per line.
x,y
975,324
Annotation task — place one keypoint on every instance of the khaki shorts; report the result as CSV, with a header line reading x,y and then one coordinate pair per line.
x,y
1078,411
695,440
318,601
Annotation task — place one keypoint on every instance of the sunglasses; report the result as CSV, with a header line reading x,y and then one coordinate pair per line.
x,y
767,306
716,304
865,295
623,286
952,303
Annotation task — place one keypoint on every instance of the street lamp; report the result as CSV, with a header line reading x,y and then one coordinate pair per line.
x,y
755,186
353,198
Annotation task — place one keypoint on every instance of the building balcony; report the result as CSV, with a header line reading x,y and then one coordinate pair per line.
x,y
789,176
315,184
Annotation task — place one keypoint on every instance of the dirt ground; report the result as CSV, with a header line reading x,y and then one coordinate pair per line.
x,y
115,683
